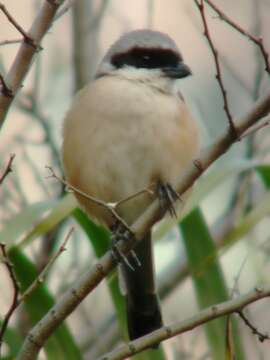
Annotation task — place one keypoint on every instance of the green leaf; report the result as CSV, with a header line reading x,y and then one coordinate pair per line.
x,y
60,211
13,340
61,344
23,221
264,173
215,177
208,279
251,219
99,237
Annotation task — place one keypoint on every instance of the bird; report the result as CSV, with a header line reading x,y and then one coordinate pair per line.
x,y
127,130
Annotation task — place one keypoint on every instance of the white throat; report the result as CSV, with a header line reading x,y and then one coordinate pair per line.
x,y
152,78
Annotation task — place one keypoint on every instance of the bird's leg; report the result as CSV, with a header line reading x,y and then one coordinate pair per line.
x,y
120,232
167,196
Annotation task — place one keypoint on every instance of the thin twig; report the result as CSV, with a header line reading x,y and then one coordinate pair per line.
x,y
262,337
138,193
17,301
10,42
11,19
256,40
8,168
237,278
228,334
200,5
15,285
108,206
41,276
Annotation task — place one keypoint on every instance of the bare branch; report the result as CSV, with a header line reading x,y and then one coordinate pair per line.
x,y
8,168
200,5
10,42
138,193
23,59
88,281
262,337
46,269
19,300
108,206
256,40
15,285
167,332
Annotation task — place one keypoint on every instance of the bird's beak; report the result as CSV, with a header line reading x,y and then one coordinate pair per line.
x,y
181,70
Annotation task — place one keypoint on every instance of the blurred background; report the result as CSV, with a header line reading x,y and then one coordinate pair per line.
x,y
218,250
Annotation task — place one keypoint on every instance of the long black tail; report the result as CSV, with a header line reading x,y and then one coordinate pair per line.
x,y
143,310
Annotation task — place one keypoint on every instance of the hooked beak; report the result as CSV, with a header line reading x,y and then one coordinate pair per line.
x,y
181,70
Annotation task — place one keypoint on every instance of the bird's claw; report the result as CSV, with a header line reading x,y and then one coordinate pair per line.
x,y
122,233
167,196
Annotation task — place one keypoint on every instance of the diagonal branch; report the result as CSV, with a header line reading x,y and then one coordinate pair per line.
x,y
167,332
26,52
200,5
88,281
256,40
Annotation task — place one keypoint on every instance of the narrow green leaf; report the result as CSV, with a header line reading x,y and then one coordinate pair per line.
x,y
208,279
99,238
61,344
215,177
23,221
60,211
251,219
13,340
264,173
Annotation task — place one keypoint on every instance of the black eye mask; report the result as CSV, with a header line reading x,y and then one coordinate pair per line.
x,y
147,58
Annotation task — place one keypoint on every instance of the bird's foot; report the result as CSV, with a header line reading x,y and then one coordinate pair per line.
x,y
120,232
167,196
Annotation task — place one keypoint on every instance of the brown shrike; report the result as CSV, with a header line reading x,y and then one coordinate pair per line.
x,y
127,129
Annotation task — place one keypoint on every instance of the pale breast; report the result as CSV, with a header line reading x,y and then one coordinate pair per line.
x,y
119,137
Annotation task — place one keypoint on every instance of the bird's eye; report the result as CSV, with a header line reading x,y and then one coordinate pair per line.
x,y
143,61
146,57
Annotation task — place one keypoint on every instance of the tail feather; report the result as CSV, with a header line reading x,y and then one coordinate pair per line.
x,y
143,310
143,318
